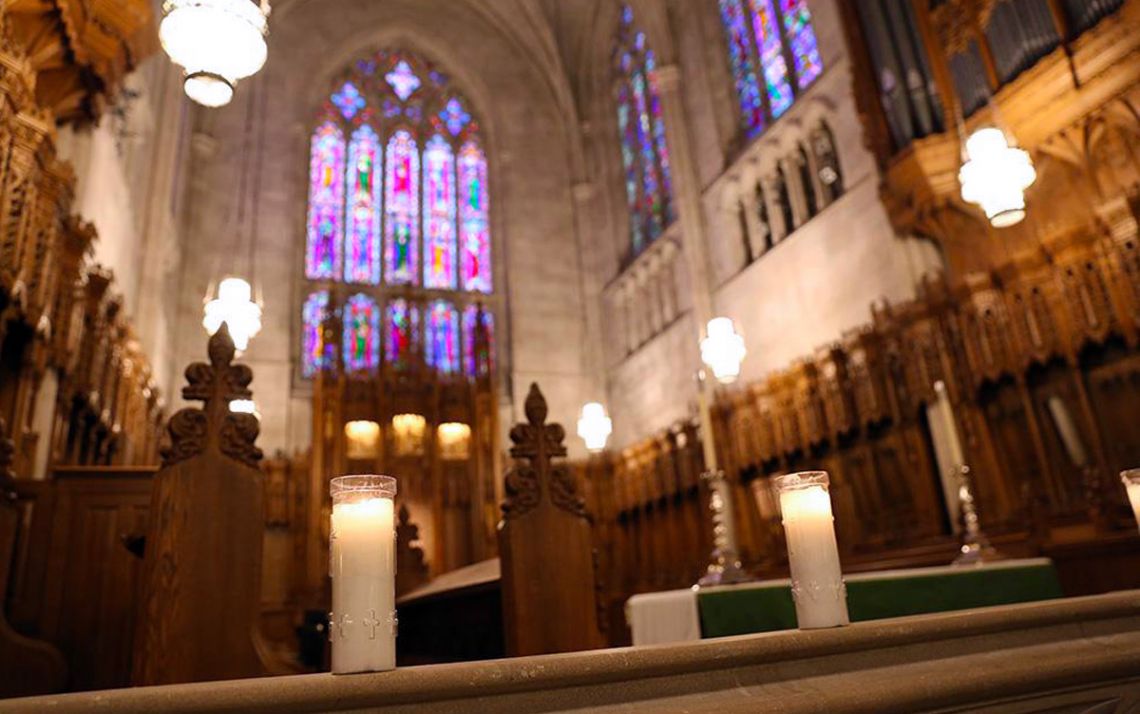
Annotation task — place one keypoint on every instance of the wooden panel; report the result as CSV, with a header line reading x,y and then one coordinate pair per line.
x,y
91,584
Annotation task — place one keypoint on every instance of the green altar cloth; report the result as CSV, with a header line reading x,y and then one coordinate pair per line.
x,y
768,606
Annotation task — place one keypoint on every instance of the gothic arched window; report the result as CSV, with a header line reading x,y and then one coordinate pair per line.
x,y
827,162
399,210
773,56
644,154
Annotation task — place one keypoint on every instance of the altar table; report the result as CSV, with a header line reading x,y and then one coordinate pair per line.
x,y
766,606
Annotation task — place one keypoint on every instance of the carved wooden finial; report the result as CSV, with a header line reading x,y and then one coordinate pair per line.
x,y
534,476
216,384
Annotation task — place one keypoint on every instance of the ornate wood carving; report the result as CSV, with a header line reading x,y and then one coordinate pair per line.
x,y
538,443
555,612
202,578
216,384
80,50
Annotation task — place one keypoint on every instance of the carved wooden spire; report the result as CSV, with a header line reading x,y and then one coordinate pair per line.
x,y
216,384
534,476
7,454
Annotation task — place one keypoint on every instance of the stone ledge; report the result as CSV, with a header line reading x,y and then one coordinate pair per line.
x,y
1035,656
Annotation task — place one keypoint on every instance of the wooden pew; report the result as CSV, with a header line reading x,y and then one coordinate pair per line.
x,y
201,594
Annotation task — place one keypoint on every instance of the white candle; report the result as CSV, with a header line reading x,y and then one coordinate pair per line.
x,y
949,425
1131,481
1070,437
362,563
813,554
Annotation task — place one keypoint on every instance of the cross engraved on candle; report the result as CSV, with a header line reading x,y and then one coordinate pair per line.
x,y
371,623
342,625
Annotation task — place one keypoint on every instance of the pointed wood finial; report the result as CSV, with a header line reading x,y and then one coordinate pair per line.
x,y
534,475
193,430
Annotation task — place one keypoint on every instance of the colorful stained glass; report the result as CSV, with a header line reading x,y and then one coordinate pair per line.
x,y
313,314
629,163
348,100
645,154
477,348
474,221
439,204
659,141
361,334
454,116
442,341
801,40
402,326
326,203
403,80
362,240
401,209
738,29
766,31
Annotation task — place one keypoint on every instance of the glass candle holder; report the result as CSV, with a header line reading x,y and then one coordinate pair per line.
x,y
1131,479
362,564
813,554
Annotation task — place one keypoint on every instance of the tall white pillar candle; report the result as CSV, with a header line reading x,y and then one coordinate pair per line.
x,y
813,554
362,564
1131,479
949,425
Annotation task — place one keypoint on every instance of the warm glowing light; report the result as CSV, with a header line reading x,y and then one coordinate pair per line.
x,y
244,406
723,350
216,42
234,306
408,433
995,176
362,439
595,427
454,441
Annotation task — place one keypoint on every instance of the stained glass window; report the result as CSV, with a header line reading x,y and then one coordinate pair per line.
x,y
361,333
398,198
312,318
402,208
402,326
348,100
477,348
641,126
403,80
761,36
439,225
801,39
474,229
443,337
326,202
737,25
362,242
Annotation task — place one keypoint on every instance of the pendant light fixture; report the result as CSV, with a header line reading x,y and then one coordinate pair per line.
x,y
995,173
595,427
216,42
722,350
233,301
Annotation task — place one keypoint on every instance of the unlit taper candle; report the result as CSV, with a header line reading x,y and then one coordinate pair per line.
x,y
362,564
1131,479
813,555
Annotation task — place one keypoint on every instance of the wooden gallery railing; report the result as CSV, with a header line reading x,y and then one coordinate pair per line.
x,y
71,371
1021,352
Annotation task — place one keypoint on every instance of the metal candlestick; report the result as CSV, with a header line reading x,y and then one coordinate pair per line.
x,y
724,567
976,548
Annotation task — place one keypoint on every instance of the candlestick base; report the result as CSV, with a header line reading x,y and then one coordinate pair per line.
x,y
724,570
977,553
